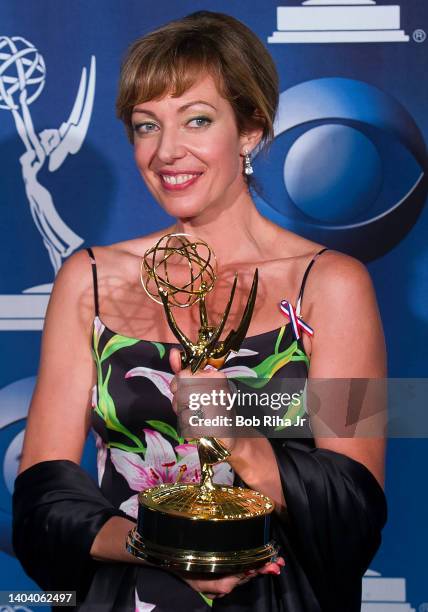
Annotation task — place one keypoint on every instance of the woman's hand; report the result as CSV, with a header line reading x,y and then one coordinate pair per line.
x,y
252,458
216,587
186,387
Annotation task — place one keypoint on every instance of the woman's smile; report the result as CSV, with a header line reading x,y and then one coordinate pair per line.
x,y
178,181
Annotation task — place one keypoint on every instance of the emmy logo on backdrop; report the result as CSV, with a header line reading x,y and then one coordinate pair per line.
x,y
338,21
22,78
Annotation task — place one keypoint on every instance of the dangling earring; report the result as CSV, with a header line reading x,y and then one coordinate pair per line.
x,y
248,168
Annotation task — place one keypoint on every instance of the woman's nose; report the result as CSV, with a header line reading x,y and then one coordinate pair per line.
x,y
170,146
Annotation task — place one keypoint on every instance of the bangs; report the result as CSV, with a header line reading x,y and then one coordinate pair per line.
x,y
170,70
171,78
170,60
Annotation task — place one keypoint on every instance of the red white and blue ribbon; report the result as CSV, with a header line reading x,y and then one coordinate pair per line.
x,y
296,321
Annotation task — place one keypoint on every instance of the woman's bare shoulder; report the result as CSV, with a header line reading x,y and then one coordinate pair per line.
x,y
74,277
289,245
334,273
335,270
119,254
331,262
337,278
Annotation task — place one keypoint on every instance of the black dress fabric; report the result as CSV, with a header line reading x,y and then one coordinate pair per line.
x,y
328,536
57,512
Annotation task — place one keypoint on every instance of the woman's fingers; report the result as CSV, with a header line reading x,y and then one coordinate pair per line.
x,y
273,567
213,588
225,585
175,361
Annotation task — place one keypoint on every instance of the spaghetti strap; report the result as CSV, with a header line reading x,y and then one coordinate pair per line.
x,y
305,276
95,279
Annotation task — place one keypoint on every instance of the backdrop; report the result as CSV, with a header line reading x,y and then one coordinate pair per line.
x,y
347,168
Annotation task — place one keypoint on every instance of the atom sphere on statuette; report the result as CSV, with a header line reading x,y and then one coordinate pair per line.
x,y
22,68
180,266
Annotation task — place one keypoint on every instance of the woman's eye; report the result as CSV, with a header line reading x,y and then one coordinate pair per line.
x,y
199,122
145,128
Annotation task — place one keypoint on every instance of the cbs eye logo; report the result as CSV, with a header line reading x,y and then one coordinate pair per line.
x,y
14,400
353,163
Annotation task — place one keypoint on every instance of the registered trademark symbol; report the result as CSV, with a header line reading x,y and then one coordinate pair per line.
x,y
419,35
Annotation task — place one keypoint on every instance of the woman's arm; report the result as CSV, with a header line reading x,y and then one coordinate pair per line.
x,y
60,411
109,543
348,349
348,343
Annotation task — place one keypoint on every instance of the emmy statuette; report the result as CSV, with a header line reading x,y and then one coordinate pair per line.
x,y
201,527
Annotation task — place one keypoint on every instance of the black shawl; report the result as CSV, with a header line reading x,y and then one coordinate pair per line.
x,y
330,533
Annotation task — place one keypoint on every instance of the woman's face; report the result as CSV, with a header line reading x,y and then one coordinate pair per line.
x,y
188,150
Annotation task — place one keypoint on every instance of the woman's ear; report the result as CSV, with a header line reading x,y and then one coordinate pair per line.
x,y
250,140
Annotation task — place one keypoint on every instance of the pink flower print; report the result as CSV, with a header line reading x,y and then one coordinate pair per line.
x,y
94,396
160,465
101,456
166,465
223,473
142,606
99,328
241,353
130,506
162,379
159,378
239,371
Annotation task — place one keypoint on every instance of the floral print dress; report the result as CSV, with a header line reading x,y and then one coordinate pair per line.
x,y
135,427
133,422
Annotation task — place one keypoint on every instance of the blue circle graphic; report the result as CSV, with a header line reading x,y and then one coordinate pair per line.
x,y
347,168
319,187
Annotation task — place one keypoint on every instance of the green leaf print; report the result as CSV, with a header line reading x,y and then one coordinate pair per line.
x,y
271,364
160,348
105,407
301,356
116,343
293,411
206,599
108,411
267,368
278,340
125,447
166,429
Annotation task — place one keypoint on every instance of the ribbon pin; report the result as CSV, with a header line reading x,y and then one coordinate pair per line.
x,y
296,321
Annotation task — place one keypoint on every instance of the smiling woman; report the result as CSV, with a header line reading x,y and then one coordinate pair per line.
x,y
188,149
197,97
200,103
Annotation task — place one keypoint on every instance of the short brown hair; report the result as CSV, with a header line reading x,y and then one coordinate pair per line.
x,y
171,58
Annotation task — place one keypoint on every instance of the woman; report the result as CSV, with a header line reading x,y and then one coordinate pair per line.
x,y
197,97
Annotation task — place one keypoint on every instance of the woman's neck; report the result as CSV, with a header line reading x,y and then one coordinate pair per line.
x,y
236,233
